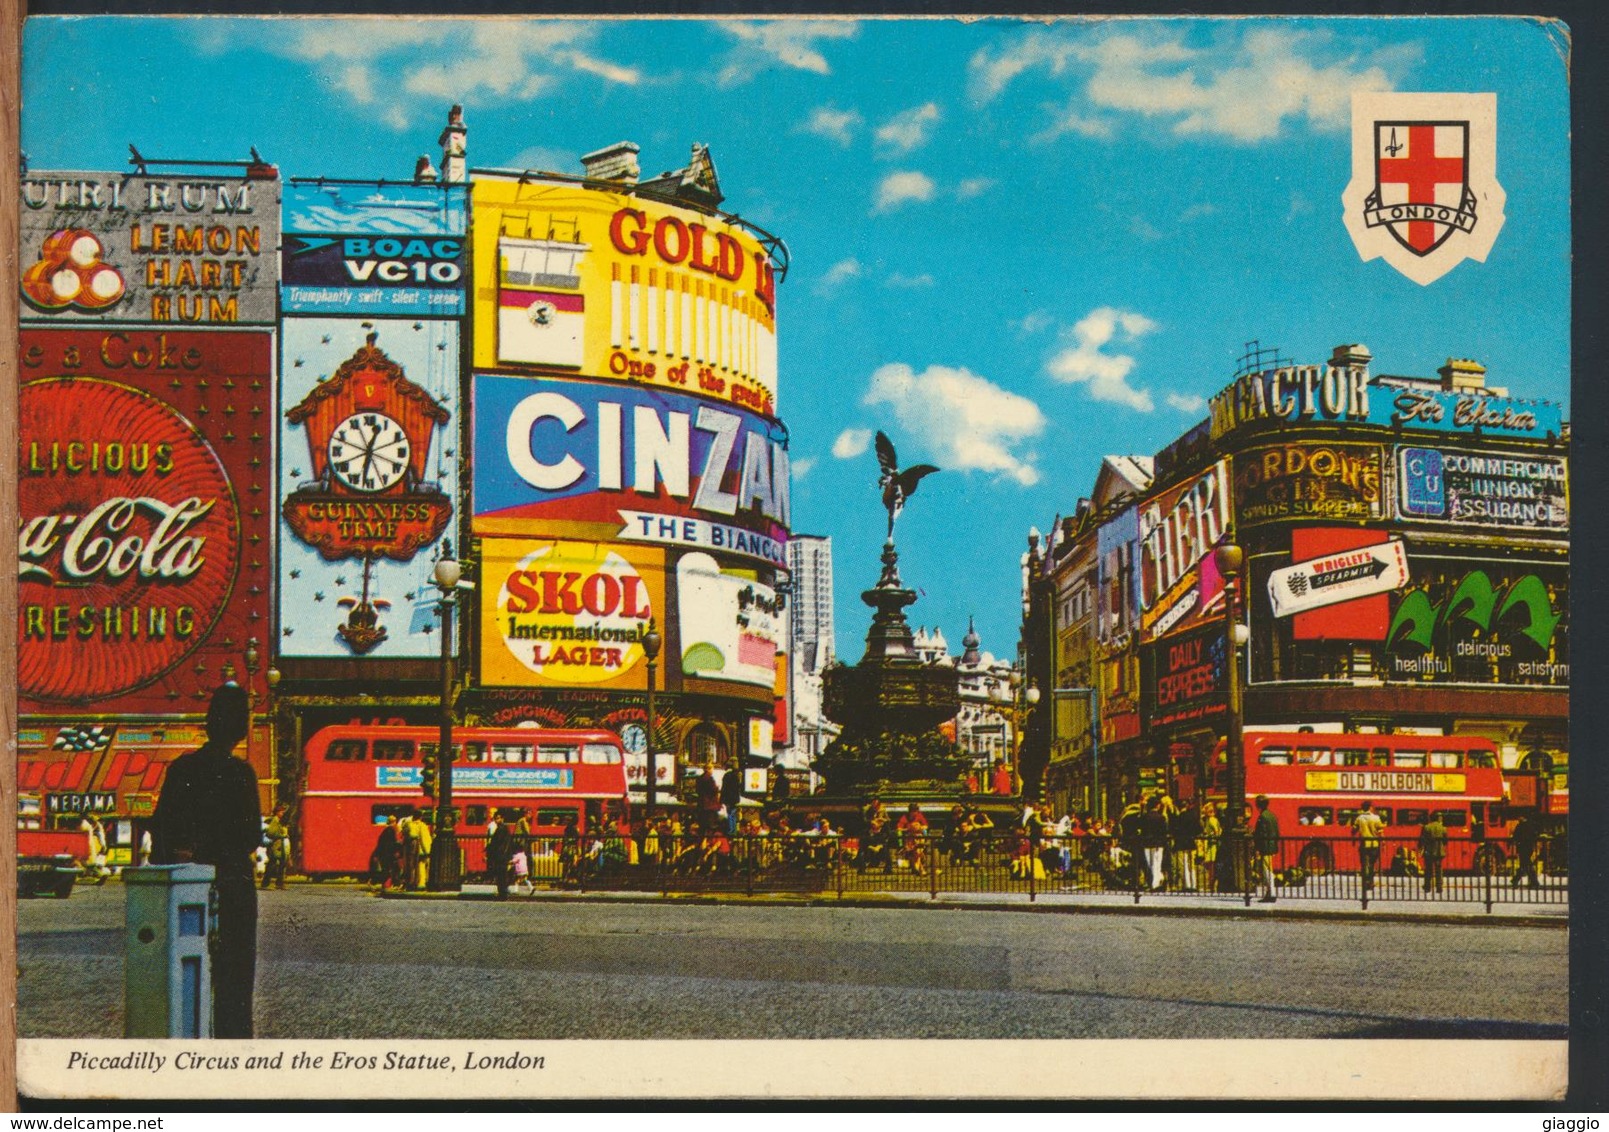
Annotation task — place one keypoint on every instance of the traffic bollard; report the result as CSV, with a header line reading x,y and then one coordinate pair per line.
x,y
169,919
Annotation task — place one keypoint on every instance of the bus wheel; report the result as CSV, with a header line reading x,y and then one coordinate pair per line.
x,y
1490,860
1316,860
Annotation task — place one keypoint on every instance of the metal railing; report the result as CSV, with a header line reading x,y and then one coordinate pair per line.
x,y
1396,870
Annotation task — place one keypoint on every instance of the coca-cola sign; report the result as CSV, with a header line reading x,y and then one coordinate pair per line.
x,y
139,518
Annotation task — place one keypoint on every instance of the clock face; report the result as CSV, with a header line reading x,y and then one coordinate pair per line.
x,y
542,313
369,452
634,737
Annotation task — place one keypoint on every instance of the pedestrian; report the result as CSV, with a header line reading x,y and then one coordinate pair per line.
x,y
500,854
1207,843
1433,848
913,834
732,796
278,836
1265,844
1184,831
145,847
1000,782
416,851
384,867
1368,826
522,842
208,813
780,786
709,800
97,847
1152,828
1527,834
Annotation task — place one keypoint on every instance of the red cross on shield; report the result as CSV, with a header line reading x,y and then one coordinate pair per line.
x,y
1421,193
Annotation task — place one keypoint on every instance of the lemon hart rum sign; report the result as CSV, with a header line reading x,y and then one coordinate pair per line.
x,y
111,247
143,515
372,494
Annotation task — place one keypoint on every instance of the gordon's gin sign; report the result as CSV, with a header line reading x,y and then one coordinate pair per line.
x,y
138,525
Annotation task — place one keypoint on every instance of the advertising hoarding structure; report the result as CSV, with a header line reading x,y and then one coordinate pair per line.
x,y
144,503
625,439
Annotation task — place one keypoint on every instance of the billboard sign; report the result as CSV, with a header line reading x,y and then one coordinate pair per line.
x,y
114,247
367,475
587,282
1308,481
1179,527
1484,489
600,460
1495,623
373,249
1346,395
1345,575
1185,677
143,538
567,614
730,624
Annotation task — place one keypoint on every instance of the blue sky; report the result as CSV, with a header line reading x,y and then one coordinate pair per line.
x,y
1015,246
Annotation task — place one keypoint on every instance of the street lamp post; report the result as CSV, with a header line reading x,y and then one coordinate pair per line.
x,y
446,869
650,650
1230,560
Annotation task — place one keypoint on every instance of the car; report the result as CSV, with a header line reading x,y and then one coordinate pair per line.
x,y
37,876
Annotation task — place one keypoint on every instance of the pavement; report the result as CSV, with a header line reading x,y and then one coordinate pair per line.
x,y
1510,913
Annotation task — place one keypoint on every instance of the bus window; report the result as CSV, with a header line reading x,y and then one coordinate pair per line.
x,y
511,753
1315,815
476,815
1354,756
553,818
1408,758
1275,756
1486,759
1412,815
1312,756
1454,819
555,755
1380,756
378,814
600,754
393,750
346,751
472,753
1446,759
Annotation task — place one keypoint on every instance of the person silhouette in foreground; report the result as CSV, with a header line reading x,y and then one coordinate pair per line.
x,y
209,814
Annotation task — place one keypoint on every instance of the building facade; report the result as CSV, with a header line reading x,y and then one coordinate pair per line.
x,y
1406,547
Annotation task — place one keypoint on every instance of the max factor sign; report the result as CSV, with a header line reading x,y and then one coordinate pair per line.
x,y
1341,394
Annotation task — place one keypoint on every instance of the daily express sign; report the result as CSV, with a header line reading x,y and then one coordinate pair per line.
x,y
633,464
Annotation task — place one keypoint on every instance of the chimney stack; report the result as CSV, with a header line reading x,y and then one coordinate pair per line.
x,y
616,162
454,163
1462,375
1355,354
424,173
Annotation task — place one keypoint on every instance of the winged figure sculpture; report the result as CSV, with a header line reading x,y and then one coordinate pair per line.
x,y
897,486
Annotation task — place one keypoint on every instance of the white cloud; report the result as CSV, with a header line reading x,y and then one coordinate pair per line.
x,y
837,275
833,124
1143,228
898,188
1244,88
966,422
800,468
545,158
373,61
851,443
1032,322
909,282
787,43
1106,374
1195,211
908,129
974,187
1186,402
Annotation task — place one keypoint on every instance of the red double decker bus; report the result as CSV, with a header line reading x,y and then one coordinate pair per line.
x,y
1317,782
359,775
